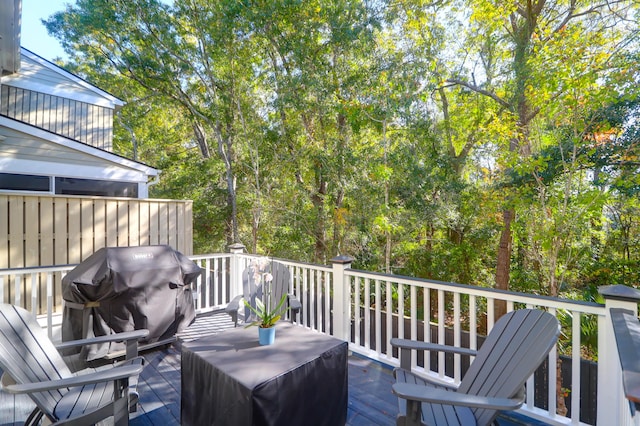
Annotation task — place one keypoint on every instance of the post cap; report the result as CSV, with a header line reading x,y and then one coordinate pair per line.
x,y
342,259
619,292
237,247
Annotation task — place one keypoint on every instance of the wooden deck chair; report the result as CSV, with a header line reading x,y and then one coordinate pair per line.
x,y
252,289
32,365
513,350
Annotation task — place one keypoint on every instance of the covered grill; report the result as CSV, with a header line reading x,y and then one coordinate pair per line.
x,y
120,289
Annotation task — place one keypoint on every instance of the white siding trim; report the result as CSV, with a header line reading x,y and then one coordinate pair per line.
x,y
43,168
77,146
53,67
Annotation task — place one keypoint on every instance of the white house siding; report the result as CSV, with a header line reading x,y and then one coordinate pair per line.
x,y
23,153
41,76
45,95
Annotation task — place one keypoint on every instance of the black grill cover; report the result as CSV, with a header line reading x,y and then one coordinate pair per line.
x,y
128,288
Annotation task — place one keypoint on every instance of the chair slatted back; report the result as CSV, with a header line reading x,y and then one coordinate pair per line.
x,y
513,350
279,285
28,355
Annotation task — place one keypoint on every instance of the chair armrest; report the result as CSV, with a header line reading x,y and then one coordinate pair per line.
x,y
402,376
406,346
232,309
118,337
294,303
111,374
234,305
426,346
439,396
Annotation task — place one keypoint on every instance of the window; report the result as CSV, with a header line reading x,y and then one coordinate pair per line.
x,y
67,186
104,188
16,182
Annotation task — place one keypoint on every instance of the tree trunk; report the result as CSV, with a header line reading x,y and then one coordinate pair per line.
x,y
318,199
562,407
503,264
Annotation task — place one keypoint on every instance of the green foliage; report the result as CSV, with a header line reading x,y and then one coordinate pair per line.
x,y
267,318
395,132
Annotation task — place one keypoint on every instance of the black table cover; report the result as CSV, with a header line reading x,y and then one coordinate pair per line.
x,y
229,379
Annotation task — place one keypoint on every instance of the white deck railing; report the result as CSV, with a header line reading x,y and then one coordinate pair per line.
x,y
368,309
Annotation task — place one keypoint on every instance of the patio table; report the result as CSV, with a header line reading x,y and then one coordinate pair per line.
x,y
229,379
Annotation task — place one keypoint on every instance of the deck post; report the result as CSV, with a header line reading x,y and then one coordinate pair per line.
x,y
609,369
235,270
341,297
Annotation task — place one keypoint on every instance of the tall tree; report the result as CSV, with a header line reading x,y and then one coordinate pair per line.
x,y
194,59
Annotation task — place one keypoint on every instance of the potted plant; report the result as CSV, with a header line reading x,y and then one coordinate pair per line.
x,y
266,317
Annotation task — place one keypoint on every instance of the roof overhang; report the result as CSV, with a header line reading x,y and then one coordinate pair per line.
x,y
108,98
78,146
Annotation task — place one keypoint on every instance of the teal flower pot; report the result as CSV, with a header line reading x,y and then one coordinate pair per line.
x,y
266,336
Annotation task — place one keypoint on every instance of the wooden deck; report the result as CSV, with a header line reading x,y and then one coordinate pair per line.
x,y
370,399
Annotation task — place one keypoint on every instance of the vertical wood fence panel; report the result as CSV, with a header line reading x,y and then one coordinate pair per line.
x,y
37,230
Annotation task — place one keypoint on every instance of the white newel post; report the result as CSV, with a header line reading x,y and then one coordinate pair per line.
x,y
235,270
610,387
341,298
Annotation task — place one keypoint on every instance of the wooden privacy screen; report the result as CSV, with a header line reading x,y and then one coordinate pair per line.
x,y
44,230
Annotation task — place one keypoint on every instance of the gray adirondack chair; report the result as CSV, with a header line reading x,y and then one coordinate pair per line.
x,y
252,290
513,350
32,365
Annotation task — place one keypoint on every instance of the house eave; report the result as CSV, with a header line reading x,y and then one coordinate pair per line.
x,y
78,146
117,103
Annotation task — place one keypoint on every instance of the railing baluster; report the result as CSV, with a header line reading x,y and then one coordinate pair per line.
x,y
427,325
297,270
378,317
530,384
575,366
356,310
553,357
200,284
441,333
414,320
50,304
327,300
389,310
319,299
305,298
223,283
490,313
34,293
400,312
311,291
367,313
473,323
17,297
457,369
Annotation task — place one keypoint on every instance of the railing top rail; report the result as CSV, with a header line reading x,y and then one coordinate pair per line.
x,y
289,262
208,256
512,296
36,269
